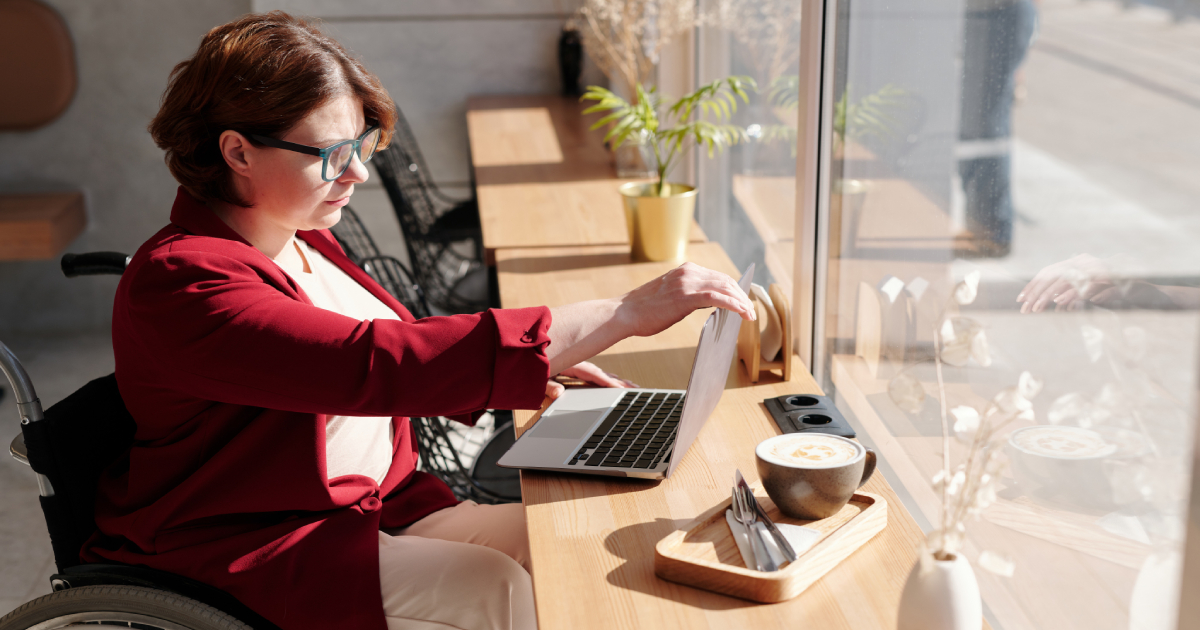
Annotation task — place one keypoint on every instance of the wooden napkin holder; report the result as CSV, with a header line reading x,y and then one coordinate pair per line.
x,y
749,345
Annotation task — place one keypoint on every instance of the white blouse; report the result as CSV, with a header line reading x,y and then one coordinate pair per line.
x,y
354,445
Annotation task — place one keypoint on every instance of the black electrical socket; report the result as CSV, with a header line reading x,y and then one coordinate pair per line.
x,y
808,413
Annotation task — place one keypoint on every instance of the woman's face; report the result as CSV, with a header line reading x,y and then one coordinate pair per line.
x,y
285,187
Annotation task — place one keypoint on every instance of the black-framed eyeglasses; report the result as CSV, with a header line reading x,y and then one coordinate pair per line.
x,y
335,158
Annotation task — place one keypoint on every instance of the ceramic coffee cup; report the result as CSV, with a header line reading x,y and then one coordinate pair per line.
x,y
811,476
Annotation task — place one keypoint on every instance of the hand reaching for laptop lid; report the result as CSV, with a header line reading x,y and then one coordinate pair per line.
x,y
589,373
584,329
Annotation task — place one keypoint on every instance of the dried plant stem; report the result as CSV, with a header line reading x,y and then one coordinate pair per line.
x,y
612,62
970,488
626,37
976,465
767,30
978,446
937,361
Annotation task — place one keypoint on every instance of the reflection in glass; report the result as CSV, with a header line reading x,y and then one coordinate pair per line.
x,y
748,196
1051,149
996,34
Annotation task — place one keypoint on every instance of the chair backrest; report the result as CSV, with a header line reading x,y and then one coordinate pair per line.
x,y
390,273
405,143
80,437
404,139
352,235
395,278
434,263
408,189
439,456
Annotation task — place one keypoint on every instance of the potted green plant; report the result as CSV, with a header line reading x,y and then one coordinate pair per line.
x,y
659,213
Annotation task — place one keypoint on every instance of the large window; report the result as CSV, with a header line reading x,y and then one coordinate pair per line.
x,y
1052,148
1048,148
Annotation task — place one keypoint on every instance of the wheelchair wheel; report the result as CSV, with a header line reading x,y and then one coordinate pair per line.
x,y
100,607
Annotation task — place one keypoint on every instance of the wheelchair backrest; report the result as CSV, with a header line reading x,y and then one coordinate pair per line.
x,y
80,437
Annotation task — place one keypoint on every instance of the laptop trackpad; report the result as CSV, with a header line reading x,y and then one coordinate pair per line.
x,y
568,424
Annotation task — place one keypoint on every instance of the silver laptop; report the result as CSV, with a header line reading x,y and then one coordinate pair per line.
x,y
633,432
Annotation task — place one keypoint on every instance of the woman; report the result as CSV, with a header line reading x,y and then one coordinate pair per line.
x,y
271,379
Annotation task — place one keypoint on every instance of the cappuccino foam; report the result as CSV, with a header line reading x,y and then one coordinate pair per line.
x,y
1063,442
811,450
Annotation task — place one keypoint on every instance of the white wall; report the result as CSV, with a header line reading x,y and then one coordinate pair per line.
x,y
430,55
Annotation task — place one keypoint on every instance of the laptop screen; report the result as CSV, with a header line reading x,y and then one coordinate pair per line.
x,y
714,353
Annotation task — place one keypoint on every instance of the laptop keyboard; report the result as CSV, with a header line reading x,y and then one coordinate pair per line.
x,y
637,433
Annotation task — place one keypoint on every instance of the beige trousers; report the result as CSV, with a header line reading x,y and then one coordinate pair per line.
x,y
463,568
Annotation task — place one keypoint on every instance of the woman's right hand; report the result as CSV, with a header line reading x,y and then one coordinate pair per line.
x,y
584,329
660,303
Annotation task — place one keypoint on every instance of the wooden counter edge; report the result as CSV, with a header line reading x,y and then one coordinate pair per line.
x,y
39,226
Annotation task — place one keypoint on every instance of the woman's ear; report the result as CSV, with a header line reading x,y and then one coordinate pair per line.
x,y
234,147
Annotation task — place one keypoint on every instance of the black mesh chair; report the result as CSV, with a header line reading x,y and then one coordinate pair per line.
x,y
436,228
390,273
483,481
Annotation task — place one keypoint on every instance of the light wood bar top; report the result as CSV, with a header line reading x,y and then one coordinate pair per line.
x,y
542,177
592,538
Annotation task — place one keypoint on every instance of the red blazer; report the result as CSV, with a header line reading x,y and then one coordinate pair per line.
x,y
229,371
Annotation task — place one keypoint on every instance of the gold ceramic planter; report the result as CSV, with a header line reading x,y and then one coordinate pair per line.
x,y
658,226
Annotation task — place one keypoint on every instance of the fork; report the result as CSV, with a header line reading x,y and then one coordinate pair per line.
x,y
746,516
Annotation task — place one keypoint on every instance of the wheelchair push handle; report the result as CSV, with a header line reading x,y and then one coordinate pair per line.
x,y
27,400
94,264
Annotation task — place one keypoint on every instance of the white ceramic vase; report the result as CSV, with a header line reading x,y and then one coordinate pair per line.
x,y
1154,603
946,597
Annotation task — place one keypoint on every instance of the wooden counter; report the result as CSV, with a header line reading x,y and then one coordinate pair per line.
x,y
592,539
542,178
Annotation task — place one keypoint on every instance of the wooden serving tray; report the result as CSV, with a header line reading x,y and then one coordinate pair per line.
x,y
705,555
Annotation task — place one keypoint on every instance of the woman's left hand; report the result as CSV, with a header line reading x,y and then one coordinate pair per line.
x,y
586,371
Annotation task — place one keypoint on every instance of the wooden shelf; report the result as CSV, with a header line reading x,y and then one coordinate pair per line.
x,y
39,226
543,177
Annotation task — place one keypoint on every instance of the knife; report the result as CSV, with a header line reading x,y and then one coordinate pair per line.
x,y
782,542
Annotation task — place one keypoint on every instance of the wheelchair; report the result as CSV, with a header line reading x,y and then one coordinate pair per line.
x,y
68,446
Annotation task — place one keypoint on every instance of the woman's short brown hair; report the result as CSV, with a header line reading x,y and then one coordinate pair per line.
x,y
261,74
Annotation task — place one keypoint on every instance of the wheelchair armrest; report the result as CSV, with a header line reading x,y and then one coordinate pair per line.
x,y
17,449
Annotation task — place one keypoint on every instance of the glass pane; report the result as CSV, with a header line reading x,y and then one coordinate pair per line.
x,y
748,195
1048,149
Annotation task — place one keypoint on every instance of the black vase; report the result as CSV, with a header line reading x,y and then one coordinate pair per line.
x,y
570,61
